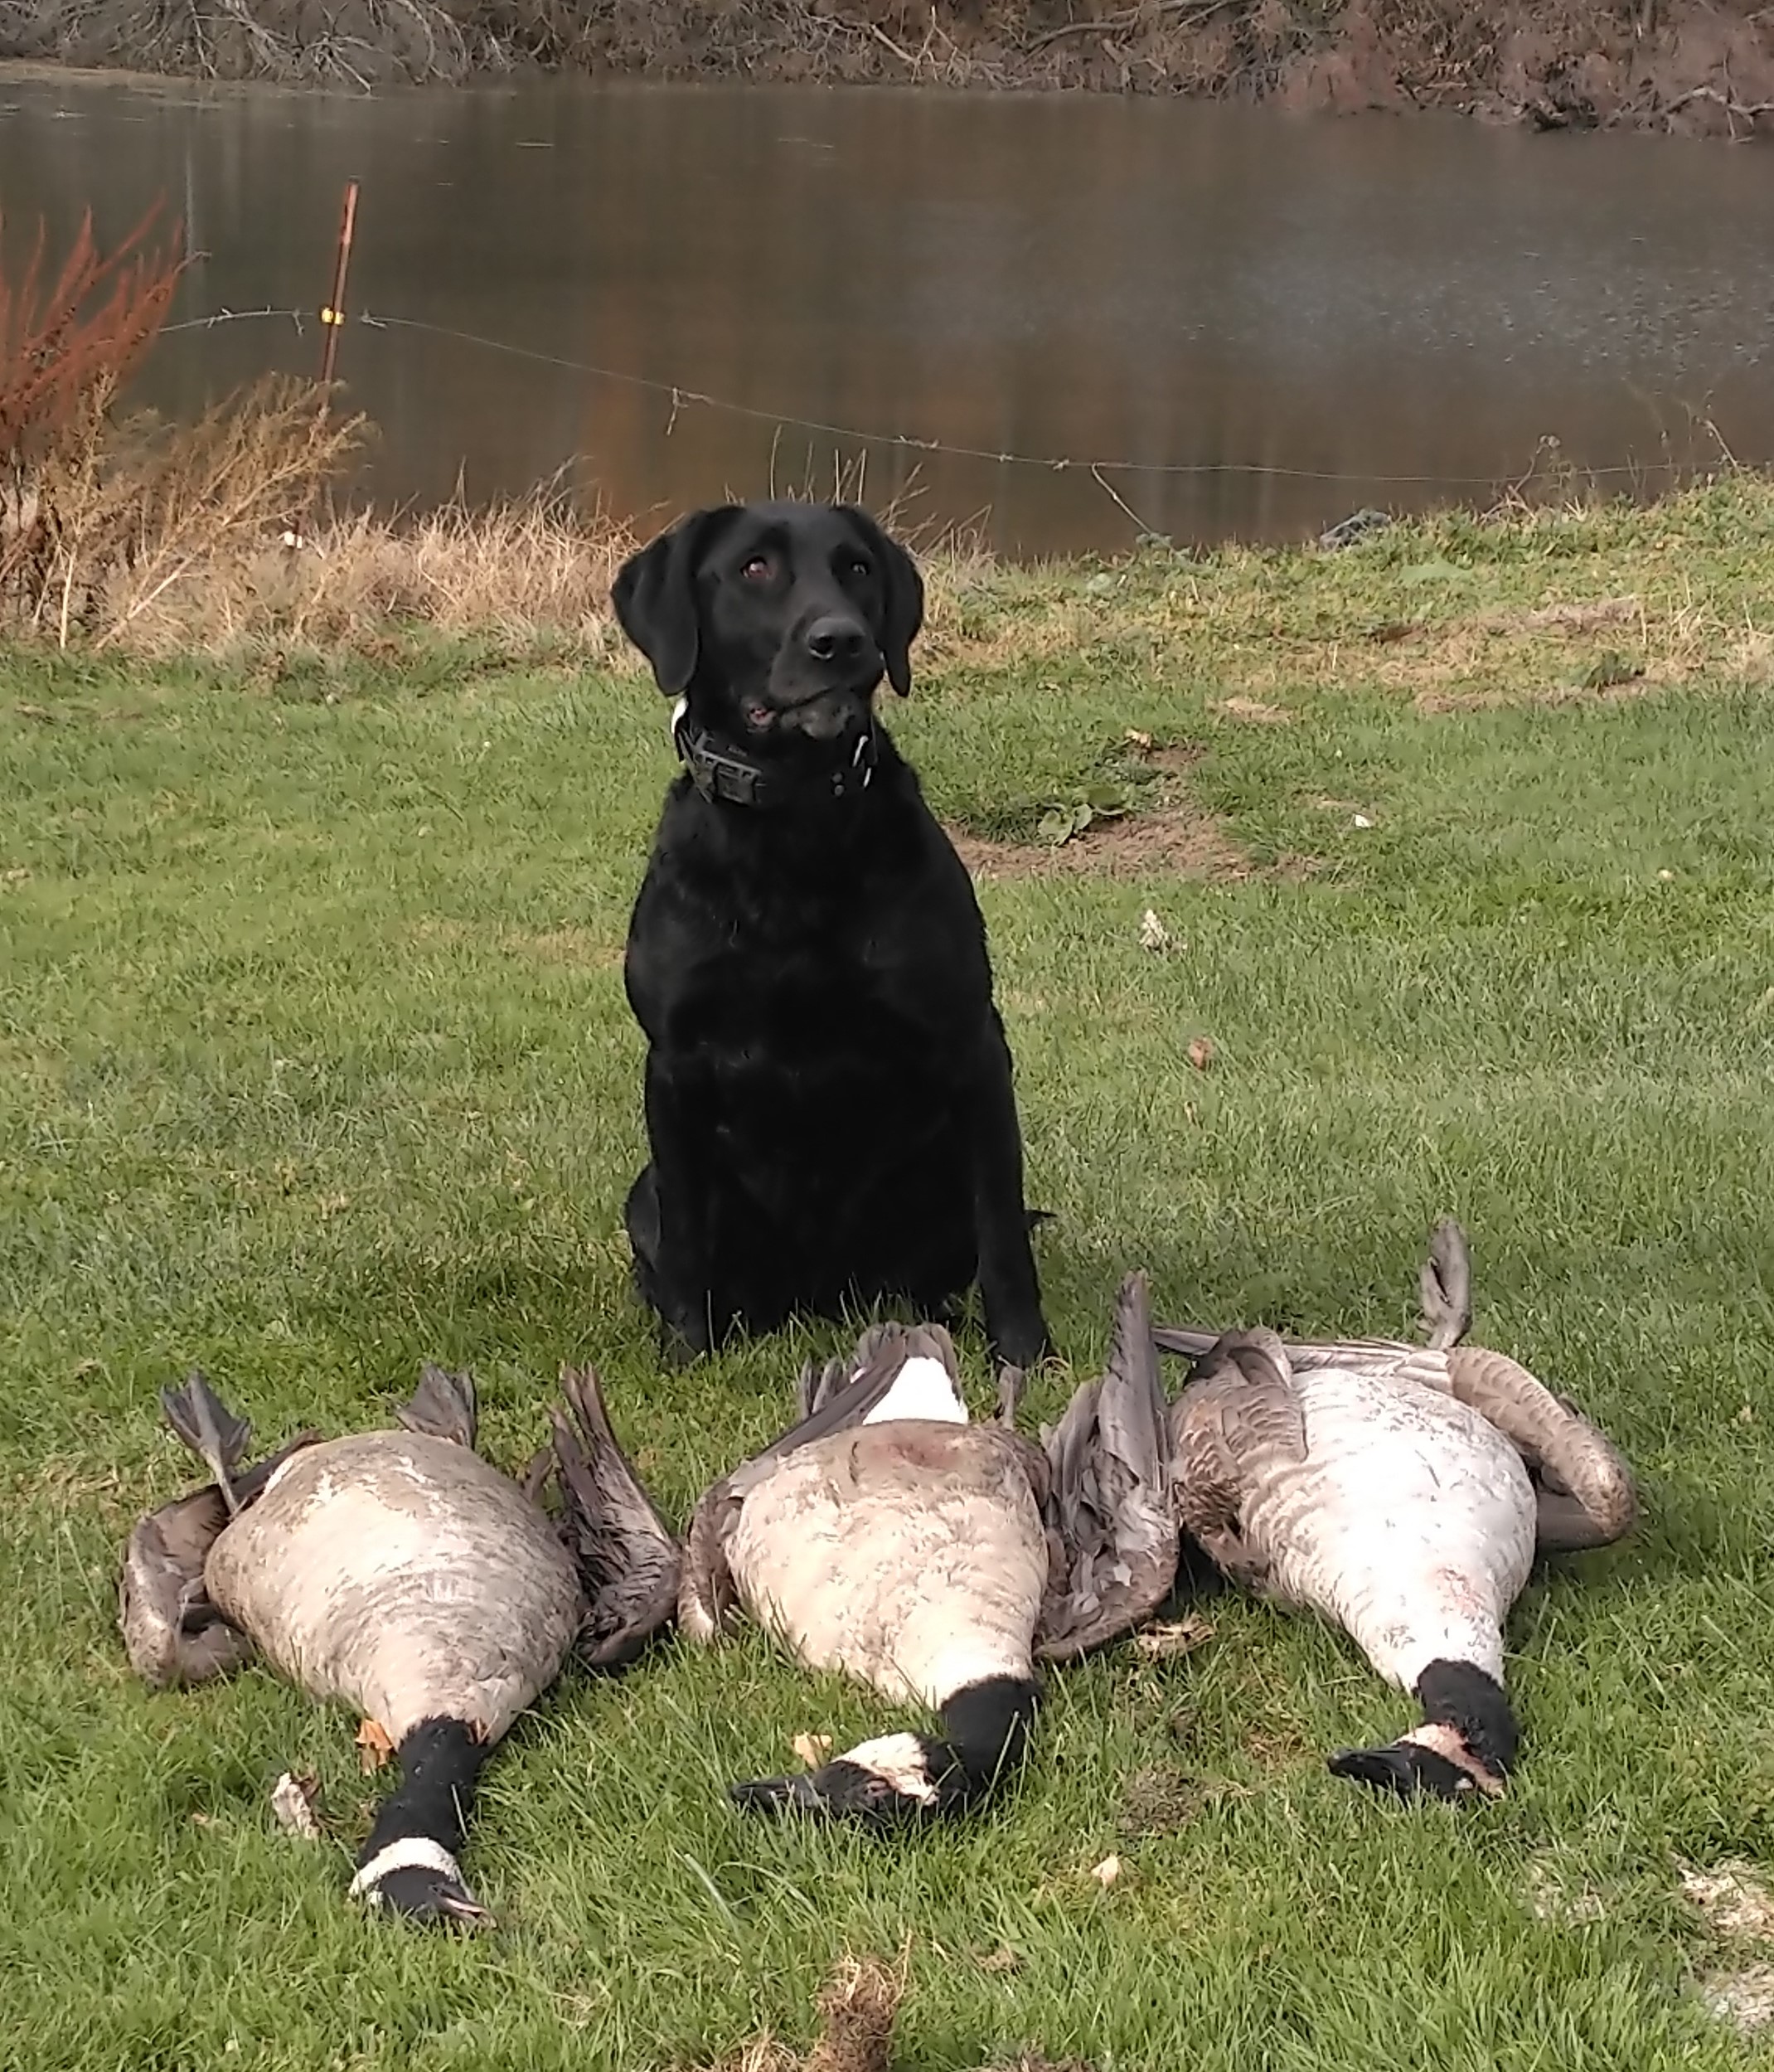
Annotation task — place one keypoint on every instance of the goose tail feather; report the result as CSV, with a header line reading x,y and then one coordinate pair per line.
x,y
628,1558
1110,1462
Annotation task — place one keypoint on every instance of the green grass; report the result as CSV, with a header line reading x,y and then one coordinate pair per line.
x,y
314,1063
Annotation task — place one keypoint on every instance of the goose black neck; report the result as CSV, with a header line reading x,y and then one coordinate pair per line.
x,y
1463,1696
440,1764
985,1736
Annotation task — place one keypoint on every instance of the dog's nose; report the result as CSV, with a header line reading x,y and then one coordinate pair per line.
x,y
833,638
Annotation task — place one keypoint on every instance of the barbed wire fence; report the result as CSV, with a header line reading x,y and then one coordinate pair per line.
x,y
681,396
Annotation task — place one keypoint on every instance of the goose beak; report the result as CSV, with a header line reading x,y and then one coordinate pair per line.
x,y
1408,1771
457,1909
778,1795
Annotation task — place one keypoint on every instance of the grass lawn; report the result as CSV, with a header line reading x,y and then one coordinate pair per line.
x,y
314,1064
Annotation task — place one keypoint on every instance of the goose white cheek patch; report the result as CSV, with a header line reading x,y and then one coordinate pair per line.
x,y
898,1759
1447,1742
922,1389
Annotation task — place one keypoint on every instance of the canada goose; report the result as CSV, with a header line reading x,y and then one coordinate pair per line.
x,y
936,1558
1402,1492
398,1570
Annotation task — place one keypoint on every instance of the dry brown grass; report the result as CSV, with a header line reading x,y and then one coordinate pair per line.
x,y
102,519
529,574
857,2008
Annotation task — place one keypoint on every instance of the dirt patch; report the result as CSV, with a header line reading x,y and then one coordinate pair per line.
x,y
1254,711
1584,616
1173,837
1161,1801
1038,2065
1735,1900
1743,1998
1178,840
1551,1897
579,948
1620,690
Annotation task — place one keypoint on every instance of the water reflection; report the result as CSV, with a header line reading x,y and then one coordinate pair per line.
x,y
1207,291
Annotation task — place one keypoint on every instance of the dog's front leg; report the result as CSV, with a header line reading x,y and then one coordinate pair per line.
x,y
680,1132
1016,1329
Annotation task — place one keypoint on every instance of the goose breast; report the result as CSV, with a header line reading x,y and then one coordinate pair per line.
x,y
405,1575
1410,1521
910,1554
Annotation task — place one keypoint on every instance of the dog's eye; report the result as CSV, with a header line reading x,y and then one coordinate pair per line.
x,y
757,570
856,566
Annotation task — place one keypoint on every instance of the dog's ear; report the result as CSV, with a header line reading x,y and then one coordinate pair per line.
x,y
904,610
655,596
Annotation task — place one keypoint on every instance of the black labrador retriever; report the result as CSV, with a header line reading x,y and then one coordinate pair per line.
x,y
829,1108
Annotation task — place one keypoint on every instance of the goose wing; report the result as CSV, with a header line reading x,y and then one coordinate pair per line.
x,y
1388,1358
1236,1421
444,1405
173,1633
841,1395
1445,1287
628,1558
1110,1495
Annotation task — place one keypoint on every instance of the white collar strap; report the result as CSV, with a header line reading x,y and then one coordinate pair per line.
x,y
411,1853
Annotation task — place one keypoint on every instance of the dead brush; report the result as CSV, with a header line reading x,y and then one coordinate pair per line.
x,y
144,507
66,347
100,519
532,574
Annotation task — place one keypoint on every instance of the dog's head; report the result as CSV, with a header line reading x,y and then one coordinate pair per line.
x,y
777,621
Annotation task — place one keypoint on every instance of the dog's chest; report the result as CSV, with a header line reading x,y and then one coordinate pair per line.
x,y
816,1009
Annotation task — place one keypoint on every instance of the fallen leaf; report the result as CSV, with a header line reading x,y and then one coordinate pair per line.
x,y
1003,1959
1106,1872
813,1748
1746,1415
1180,1636
201,1820
1201,1053
1136,737
1362,821
374,1746
1153,933
293,1800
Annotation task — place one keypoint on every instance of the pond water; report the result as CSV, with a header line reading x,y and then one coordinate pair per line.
x,y
1251,323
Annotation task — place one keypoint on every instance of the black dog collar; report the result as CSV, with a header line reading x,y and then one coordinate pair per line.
x,y
724,773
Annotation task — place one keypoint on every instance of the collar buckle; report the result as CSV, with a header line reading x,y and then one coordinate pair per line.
x,y
722,773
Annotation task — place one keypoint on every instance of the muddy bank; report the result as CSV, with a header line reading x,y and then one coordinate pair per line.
x,y
1682,66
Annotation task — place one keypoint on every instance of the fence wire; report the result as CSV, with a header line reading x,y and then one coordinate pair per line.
x,y
681,396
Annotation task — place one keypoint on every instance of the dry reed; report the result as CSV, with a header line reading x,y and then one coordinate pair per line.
x,y
103,519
